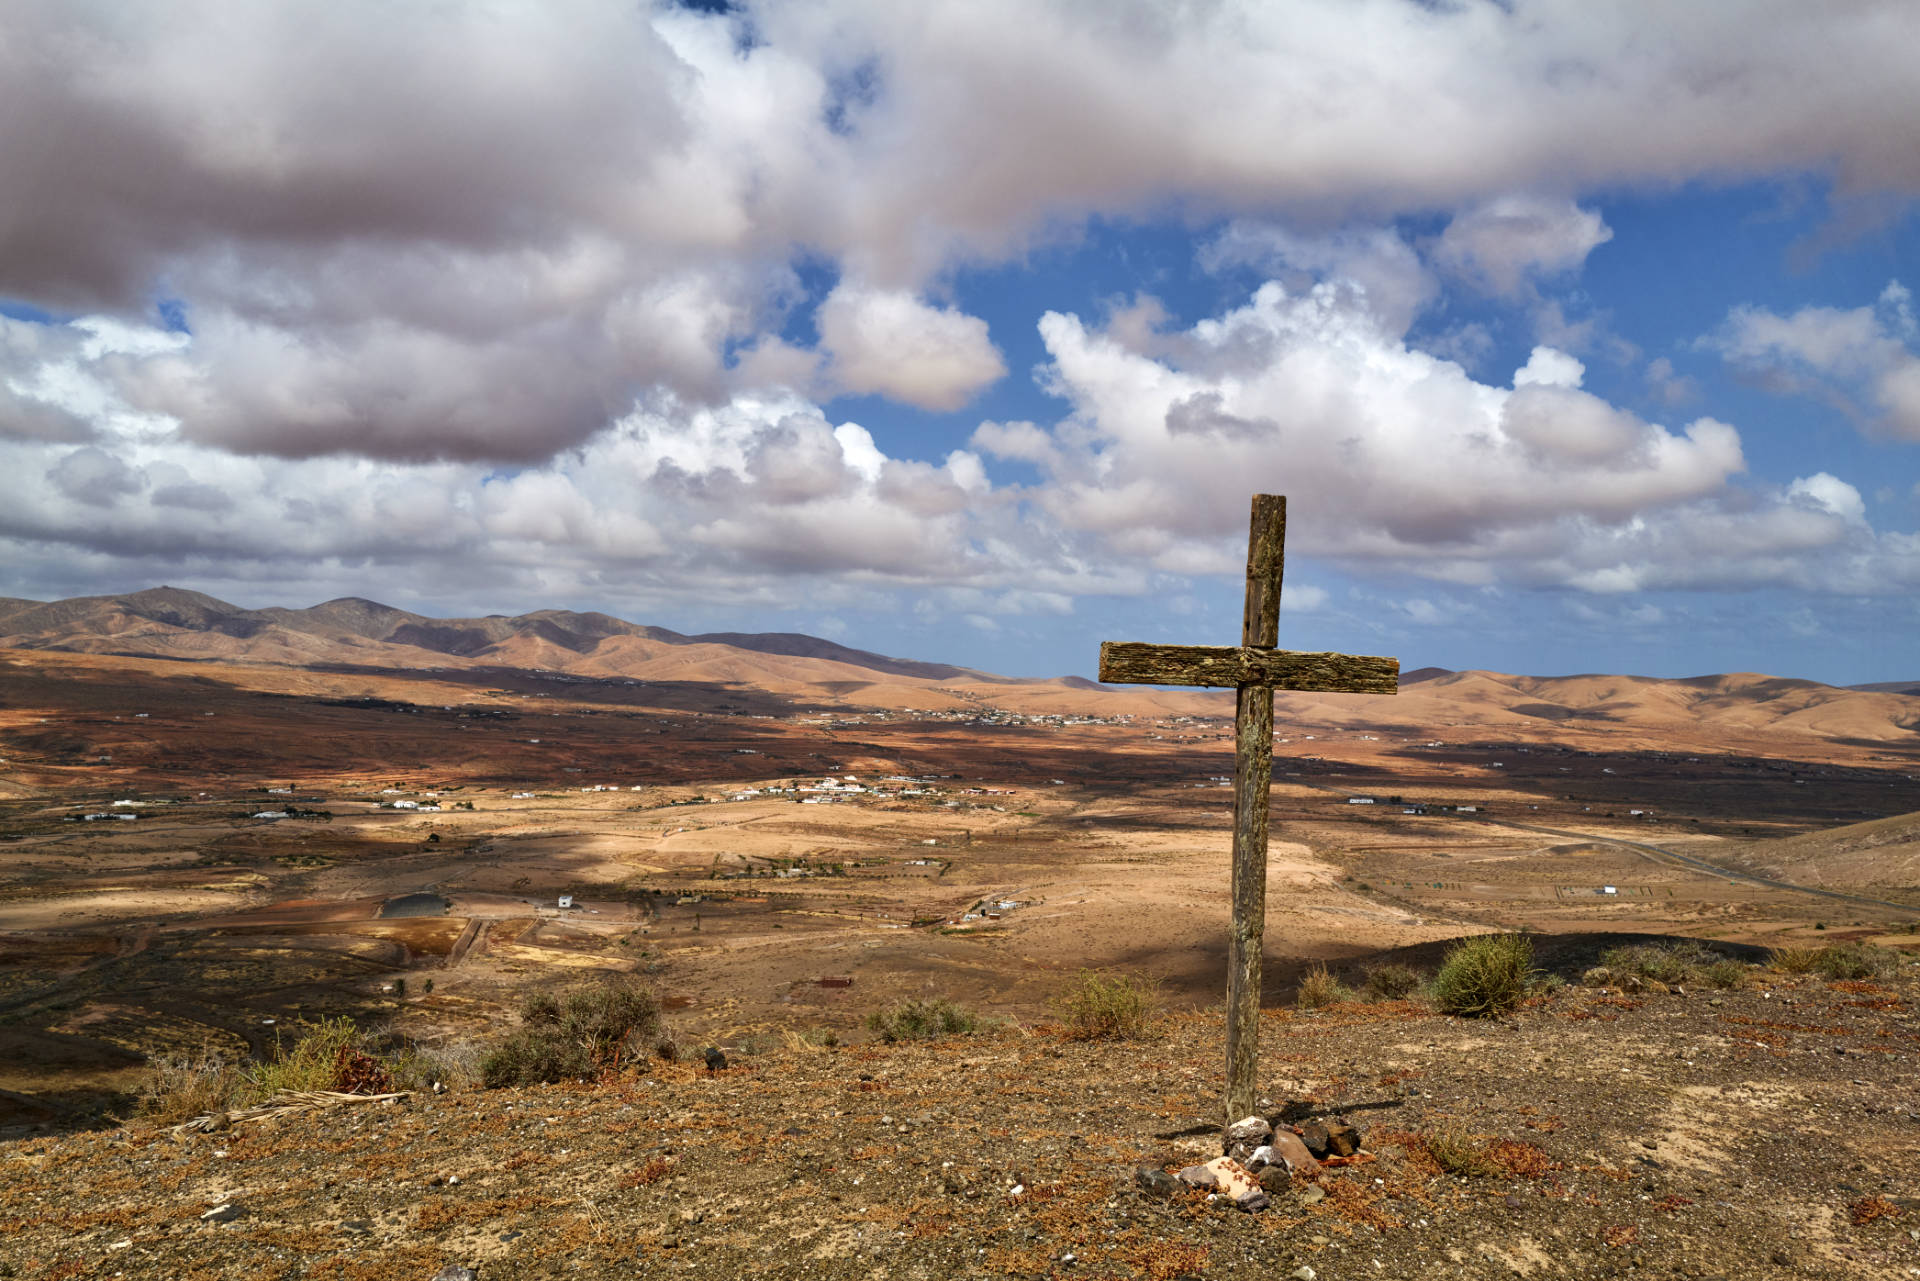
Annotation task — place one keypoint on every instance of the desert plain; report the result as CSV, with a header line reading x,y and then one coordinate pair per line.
x,y
216,823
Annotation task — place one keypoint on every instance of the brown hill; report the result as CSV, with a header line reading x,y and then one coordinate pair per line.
x,y
1684,711
1883,852
1627,711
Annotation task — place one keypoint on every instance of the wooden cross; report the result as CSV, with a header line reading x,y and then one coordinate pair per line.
x,y
1255,669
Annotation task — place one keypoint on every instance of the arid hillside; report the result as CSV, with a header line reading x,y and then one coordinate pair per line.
x,y
173,624
1766,1130
1880,852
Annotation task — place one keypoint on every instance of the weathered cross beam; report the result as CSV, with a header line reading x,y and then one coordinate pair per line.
x,y
1255,669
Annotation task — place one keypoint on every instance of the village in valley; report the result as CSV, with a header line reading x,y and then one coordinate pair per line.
x,y
191,861
211,862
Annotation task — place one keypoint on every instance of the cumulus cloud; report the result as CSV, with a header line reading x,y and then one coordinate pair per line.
x,y
1393,459
1376,261
465,232
1399,460
509,294
94,477
890,342
1862,358
1506,245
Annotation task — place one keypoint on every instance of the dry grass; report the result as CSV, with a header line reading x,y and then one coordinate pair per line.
x,y
810,1041
1839,961
1793,959
330,1055
181,1086
1319,989
1116,1007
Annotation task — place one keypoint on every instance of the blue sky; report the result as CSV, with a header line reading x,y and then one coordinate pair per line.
x,y
1579,337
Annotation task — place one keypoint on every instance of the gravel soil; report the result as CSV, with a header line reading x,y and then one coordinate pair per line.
x,y
1768,1131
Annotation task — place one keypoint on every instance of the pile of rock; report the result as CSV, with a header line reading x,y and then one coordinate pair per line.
x,y
1260,1161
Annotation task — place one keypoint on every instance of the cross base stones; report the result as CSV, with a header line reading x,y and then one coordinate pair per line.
x,y
1262,1162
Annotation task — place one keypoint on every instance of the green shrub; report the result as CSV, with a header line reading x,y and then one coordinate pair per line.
x,y
1688,961
1319,988
576,1035
329,1055
1724,974
924,1020
1391,981
1484,976
1856,961
1109,1007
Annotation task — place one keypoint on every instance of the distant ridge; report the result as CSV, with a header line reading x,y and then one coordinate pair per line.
x,y
160,615
1889,687
177,625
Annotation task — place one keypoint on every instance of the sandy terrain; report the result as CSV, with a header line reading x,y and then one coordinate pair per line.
x,y
739,844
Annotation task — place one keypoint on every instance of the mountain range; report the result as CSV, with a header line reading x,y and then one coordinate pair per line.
x,y
171,623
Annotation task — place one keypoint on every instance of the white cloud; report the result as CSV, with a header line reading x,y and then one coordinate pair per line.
x,y
1504,246
1546,367
465,231
1397,286
1398,460
1861,357
890,342
496,293
1393,459
1830,494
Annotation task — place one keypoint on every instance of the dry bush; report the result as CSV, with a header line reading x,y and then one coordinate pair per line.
x,y
177,1087
1856,961
454,1066
577,1035
924,1020
1670,963
814,1038
1391,981
1319,988
1109,1007
1724,974
1793,959
1458,1153
1484,976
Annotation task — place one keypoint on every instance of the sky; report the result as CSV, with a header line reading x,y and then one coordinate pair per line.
x,y
1581,338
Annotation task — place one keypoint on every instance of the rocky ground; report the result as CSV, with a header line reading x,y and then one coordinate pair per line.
x,y
1768,1131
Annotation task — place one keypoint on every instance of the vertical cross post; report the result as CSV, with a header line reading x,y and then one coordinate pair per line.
x,y
1253,669
1252,785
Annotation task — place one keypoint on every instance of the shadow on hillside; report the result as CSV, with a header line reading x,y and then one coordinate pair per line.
x,y
197,1000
